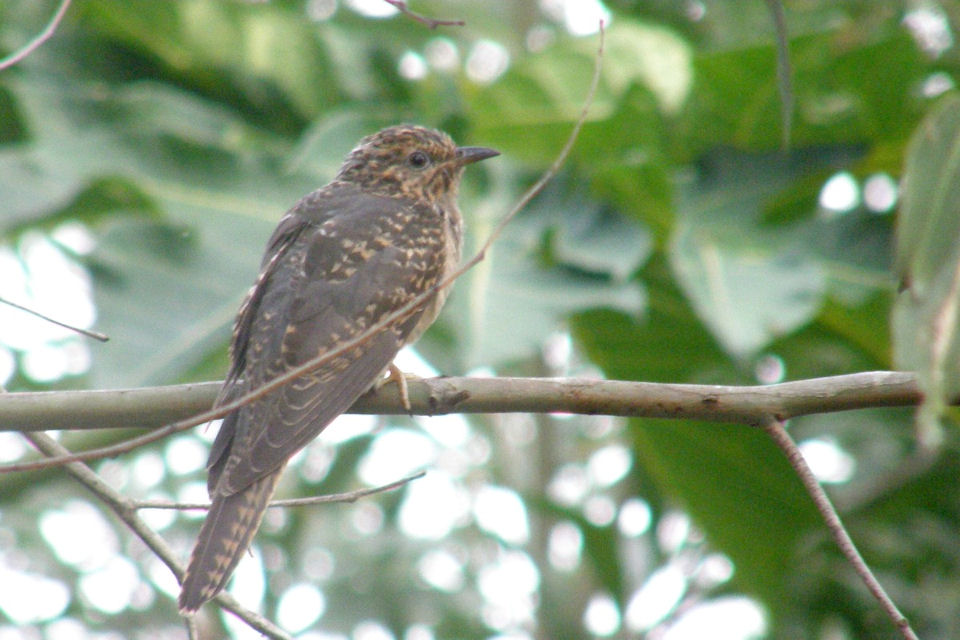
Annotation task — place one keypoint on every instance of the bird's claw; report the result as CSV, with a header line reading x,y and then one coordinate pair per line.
x,y
400,377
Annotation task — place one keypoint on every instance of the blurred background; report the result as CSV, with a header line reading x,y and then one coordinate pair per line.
x,y
148,149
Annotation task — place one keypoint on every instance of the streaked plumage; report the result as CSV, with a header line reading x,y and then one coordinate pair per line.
x,y
384,231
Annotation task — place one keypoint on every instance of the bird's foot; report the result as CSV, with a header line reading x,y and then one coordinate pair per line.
x,y
400,377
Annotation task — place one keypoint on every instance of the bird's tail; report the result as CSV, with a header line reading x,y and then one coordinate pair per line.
x,y
227,532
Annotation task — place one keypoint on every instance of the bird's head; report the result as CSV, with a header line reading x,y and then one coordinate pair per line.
x,y
410,162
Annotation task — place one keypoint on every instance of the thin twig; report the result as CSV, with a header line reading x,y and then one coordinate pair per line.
x,y
538,186
779,435
349,496
42,37
96,335
123,508
432,23
784,71
388,321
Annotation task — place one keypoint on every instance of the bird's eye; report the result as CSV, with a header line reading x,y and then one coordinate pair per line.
x,y
418,159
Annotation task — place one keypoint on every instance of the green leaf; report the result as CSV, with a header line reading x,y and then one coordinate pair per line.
x,y
627,159
668,343
749,283
746,293
31,189
929,219
264,54
160,317
858,93
927,313
325,143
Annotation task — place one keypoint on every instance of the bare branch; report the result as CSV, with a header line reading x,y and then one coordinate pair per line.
x,y
123,508
96,335
155,407
538,186
148,407
432,23
784,71
436,396
41,37
776,431
349,496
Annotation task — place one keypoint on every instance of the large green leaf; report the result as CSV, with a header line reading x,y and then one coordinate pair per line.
x,y
746,293
855,93
749,282
259,57
668,343
927,313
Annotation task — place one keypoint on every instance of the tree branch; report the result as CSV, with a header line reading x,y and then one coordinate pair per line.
x,y
35,43
774,428
153,407
348,496
96,335
784,72
431,23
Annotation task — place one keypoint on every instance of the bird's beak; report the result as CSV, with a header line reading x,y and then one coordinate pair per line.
x,y
469,155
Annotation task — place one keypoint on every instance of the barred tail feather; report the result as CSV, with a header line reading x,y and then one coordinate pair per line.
x,y
225,535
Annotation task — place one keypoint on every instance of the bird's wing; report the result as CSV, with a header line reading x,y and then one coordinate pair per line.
x,y
328,283
284,236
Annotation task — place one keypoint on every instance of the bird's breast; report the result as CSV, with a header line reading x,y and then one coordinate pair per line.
x,y
439,250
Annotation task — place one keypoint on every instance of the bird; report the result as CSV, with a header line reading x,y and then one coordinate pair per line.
x,y
384,231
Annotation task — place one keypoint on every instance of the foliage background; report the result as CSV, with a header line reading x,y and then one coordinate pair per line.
x,y
147,150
